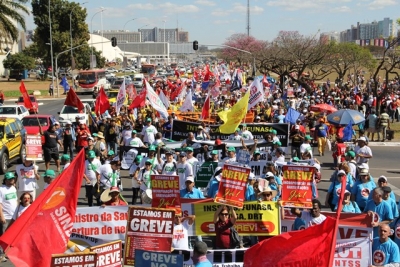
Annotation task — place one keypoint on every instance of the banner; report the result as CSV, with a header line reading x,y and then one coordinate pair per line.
x,y
34,149
255,218
87,259
296,186
258,167
148,229
82,243
165,192
109,254
155,101
150,259
256,93
232,185
121,97
181,129
204,174
243,156
107,222
353,252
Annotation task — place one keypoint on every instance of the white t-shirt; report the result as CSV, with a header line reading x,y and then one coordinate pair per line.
x,y
184,170
247,135
26,177
192,161
132,170
145,178
235,137
170,168
310,220
229,160
126,135
366,150
135,142
306,147
18,211
108,177
180,238
8,200
155,163
66,165
149,133
91,168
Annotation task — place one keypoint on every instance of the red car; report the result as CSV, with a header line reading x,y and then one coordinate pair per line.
x,y
35,104
31,123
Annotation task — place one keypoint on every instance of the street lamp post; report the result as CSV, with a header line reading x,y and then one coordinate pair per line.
x,y
123,30
164,43
91,37
51,53
101,18
70,33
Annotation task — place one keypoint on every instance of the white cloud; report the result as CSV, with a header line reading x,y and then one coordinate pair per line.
x,y
237,8
147,6
205,2
341,9
219,12
380,4
307,4
174,8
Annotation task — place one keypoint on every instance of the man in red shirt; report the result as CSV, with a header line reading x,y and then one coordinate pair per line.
x,y
339,152
82,135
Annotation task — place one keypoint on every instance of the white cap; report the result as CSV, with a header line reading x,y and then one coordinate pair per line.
x,y
68,122
57,123
258,118
362,138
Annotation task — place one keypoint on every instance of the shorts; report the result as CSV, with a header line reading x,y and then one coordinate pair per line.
x,y
50,153
371,130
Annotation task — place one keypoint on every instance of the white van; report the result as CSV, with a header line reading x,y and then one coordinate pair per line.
x,y
138,80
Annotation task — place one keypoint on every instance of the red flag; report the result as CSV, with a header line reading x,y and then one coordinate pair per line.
x,y
205,112
170,85
139,100
73,100
177,91
102,103
177,74
311,246
44,228
27,101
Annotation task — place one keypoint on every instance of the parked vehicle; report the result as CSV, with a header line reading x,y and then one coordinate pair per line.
x,y
70,113
35,104
31,123
12,141
13,111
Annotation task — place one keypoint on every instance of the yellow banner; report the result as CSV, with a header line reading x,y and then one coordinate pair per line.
x,y
261,219
234,116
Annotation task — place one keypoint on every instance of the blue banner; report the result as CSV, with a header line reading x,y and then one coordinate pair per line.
x,y
145,258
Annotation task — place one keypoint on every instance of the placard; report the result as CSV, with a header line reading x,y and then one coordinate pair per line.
x,y
109,254
87,259
165,192
150,259
148,229
296,186
34,149
243,156
232,185
204,173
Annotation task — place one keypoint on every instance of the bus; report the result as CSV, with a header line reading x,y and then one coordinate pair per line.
x,y
90,81
149,70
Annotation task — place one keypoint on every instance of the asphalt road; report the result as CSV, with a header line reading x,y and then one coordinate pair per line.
x,y
385,161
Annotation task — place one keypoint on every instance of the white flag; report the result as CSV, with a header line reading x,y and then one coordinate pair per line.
x,y
188,104
155,101
256,93
164,99
120,97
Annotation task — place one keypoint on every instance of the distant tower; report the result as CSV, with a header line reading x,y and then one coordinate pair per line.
x,y
248,18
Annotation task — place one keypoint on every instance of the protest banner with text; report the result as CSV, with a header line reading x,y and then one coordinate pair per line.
x,y
181,129
109,254
296,186
34,149
165,192
232,185
148,229
204,173
150,259
101,222
87,259
82,243
255,218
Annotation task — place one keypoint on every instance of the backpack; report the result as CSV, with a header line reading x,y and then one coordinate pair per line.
x,y
165,163
235,238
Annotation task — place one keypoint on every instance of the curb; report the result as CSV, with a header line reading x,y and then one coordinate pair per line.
x,y
370,144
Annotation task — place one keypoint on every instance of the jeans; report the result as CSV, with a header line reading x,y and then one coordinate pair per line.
x,y
69,146
3,228
296,152
135,195
112,146
89,195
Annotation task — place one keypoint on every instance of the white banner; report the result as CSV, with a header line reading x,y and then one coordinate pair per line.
x,y
101,222
164,99
256,93
353,252
155,101
120,97
187,104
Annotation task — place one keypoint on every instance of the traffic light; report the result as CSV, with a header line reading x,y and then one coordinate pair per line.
x,y
114,41
195,45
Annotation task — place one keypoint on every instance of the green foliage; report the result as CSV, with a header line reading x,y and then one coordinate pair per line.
x,y
82,57
11,12
19,61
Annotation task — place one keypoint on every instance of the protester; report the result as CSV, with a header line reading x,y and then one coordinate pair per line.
x,y
25,200
362,189
65,161
180,237
190,191
313,216
184,170
27,177
149,132
50,148
213,185
363,152
48,177
114,198
231,156
321,132
200,255
384,250
133,171
224,218
69,138
91,176
267,194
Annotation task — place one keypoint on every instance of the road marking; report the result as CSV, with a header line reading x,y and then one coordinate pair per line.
x,y
40,104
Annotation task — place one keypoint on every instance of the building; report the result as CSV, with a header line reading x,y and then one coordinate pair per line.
x,y
367,31
386,28
327,37
122,36
163,35
183,37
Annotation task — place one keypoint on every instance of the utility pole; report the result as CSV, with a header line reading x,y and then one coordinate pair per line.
x,y
248,18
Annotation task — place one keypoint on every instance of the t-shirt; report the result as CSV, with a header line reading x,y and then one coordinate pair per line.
x,y
184,170
322,130
145,178
223,234
247,135
362,192
382,210
335,188
235,137
365,150
192,161
372,121
384,253
26,177
149,133
194,194
50,139
306,148
91,168
155,165
169,168
8,200
135,142
352,207
180,238
310,220
18,211
108,176
126,135
132,170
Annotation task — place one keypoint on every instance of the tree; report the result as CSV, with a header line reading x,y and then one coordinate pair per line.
x,y
19,61
82,55
60,11
10,12
290,55
243,42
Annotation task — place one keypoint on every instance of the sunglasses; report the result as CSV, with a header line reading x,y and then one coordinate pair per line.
x,y
224,214
267,195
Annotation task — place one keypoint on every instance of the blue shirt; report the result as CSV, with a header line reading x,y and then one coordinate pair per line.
x,y
362,192
351,208
393,206
395,225
195,194
335,189
167,126
384,253
213,190
206,263
383,210
250,194
322,130
299,224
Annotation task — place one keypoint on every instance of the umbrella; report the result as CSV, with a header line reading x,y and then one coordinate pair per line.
x,y
346,116
323,108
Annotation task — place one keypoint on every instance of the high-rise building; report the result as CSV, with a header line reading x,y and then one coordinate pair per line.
x,y
327,37
183,37
386,28
122,36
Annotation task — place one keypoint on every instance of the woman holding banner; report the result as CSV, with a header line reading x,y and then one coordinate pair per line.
x,y
224,219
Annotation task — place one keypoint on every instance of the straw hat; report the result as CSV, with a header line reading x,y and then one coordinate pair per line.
x,y
100,135
266,189
105,196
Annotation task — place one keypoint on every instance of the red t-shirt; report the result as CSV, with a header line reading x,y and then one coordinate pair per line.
x,y
223,234
119,203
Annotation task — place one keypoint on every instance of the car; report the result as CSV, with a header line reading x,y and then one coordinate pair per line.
x,y
90,102
70,113
138,80
117,83
109,75
35,104
111,70
31,123
12,140
13,111
112,97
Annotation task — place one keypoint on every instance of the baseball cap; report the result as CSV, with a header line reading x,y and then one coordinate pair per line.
x,y
49,173
91,154
90,138
386,189
269,174
307,137
134,132
65,157
297,127
252,176
152,148
168,152
148,120
200,128
351,154
114,189
340,172
9,175
237,130
274,132
278,143
189,148
231,149
362,138
182,154
67,122
148,162
295,159
111,153
382,178
190,178
214,152
257,152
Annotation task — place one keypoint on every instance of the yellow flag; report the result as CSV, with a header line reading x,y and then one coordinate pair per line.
x,y
235,115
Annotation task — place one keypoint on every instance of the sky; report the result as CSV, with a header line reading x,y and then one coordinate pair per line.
x,y
213,21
